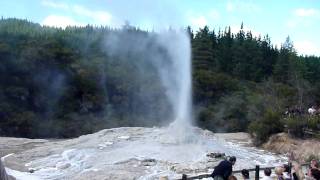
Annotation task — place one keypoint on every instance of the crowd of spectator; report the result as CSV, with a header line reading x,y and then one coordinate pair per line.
x,y
298,110
223,171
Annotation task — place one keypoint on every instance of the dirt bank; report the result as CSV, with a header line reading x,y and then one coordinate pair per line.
x,y
300,149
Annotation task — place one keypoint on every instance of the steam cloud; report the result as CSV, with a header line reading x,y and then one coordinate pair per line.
x,y
168,54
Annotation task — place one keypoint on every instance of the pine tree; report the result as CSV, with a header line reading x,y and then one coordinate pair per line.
x,y
202,50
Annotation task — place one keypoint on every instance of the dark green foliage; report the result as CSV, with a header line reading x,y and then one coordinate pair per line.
x,y
210,86
230,114
203,49
64,83
251,82
313,122
267,125
298,125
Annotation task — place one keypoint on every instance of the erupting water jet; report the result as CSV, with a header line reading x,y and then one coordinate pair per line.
x,y
176,78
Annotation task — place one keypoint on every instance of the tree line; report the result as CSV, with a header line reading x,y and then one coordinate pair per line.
x,y
245,83
65,82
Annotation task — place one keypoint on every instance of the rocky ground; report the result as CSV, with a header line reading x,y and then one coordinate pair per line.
x,y
129,153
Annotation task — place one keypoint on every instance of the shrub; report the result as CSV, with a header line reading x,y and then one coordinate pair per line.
x,y
296,125
269,124
313,122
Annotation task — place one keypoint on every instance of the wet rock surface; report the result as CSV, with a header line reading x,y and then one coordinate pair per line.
x,y
131,153
216,155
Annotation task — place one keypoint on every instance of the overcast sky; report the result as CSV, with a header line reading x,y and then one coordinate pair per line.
x,y
298,19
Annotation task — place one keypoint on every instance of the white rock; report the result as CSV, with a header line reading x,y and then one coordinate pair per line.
x,y
108,143
62,165
124,137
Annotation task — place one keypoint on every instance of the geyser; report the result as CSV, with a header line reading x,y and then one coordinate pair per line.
x,y
176,78
167,54
138,152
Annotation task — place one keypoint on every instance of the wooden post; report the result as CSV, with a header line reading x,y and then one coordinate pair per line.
x,y
290,166
184,177
257,172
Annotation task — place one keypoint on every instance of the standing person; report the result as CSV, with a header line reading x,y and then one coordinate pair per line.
x,y
287,112
312,110
314,164
245,174
267,174
224,169
232,177
315,173
297,173
279,171
312,167
286,172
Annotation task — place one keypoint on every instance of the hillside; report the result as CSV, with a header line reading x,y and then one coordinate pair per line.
x,y
61,83
301,150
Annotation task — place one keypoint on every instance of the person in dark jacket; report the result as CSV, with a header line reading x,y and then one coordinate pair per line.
x,y
224,169
315,173
245,174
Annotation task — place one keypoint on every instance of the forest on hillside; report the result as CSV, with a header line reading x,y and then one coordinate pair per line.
x,y
66,82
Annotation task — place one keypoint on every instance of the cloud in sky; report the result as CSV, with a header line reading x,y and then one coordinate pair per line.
x,y
60,21
307,47
295,22
230,7
58,5
233,6
303,17
94,16
214,15
99,17
301,12
199,20
292,23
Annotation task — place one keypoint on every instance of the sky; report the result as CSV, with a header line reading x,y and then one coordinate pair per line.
x,y
298,19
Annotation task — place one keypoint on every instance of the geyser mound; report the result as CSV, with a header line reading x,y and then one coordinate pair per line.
x,y
136,153
179,133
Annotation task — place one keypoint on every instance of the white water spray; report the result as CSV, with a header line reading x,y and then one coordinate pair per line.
x,y
176,78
